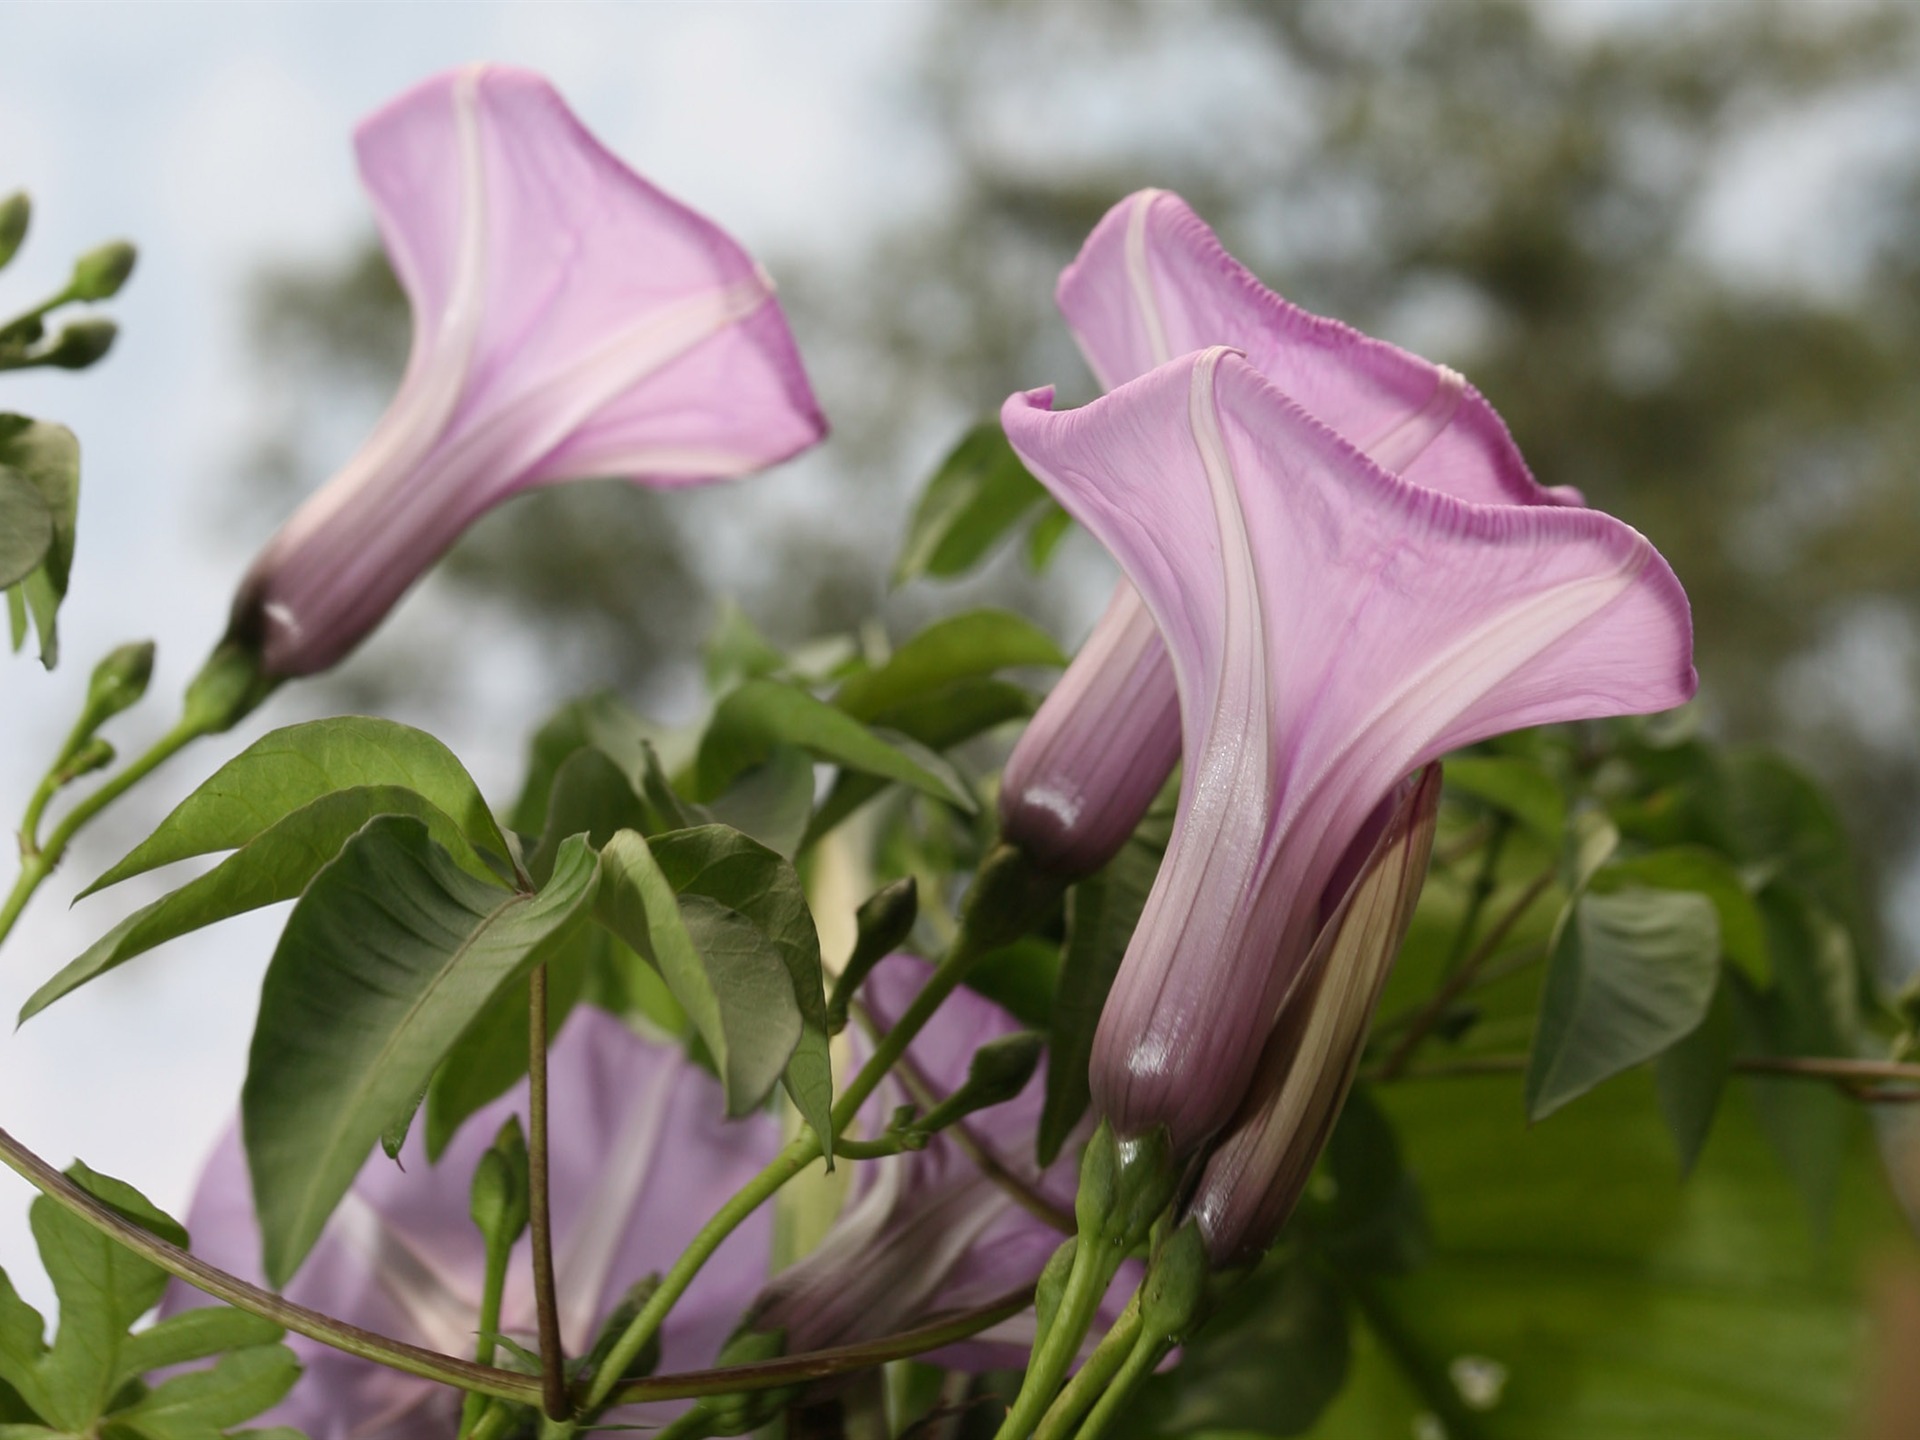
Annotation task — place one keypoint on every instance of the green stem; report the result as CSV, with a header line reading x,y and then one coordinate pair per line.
x,y
553,1360
1146,1353
492,1289
396,1354
1054,1352
40,864
1092,1377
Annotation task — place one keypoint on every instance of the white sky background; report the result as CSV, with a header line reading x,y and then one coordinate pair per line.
x,y
216,137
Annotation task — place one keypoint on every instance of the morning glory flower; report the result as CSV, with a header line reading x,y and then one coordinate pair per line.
x,y
569,322
1332,626
1255,1174
638,1165
931,1231
1152,283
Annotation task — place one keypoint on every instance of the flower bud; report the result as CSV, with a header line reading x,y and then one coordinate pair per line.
x,y
99,274
118,681
16,212
96,754
80,344
1255,1176
1173,1296
1000,1070
500,1201
228,686
884,921
1088,765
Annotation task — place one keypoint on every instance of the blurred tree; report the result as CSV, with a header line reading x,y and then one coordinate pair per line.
x,y
1542,196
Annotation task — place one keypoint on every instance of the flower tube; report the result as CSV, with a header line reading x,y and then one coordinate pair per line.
x,y
936,1230
1255,1175
569,321
1151,283
637,1166
1332,626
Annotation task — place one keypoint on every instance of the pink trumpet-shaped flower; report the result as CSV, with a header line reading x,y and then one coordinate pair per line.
x,y
1152,282
930,1231
1255,1175
638,1164
569,321
1332,626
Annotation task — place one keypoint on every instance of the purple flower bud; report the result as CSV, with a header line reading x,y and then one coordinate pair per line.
x,y
933,1230
639,1161
1333,626
570,321
1255,1175
1151,283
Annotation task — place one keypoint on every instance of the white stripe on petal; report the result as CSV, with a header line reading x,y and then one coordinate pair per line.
x,y
1401,443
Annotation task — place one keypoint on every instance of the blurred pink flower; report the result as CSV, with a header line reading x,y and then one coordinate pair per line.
x,y
1151,283
639,1162
569,321
929,1232
1332,625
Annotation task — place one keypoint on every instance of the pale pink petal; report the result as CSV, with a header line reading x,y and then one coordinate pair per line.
x,y
1332,626
570,321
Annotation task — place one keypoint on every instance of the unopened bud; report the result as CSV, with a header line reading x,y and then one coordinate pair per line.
x,y
96,754
1124,1186
16,212
1175,1291
885,920
99,274
119,681
1000,1070
616,1325
1052,1288
80,344
499,1202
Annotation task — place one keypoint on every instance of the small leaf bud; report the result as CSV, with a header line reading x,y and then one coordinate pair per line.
x,y
119,681
885,920
16,212
499,1202
80,344
96,754
99,274
999,1071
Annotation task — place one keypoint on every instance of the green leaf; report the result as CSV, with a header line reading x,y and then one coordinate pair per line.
x,y
491,1057
202,1404
102,1288
592,796
1691,1075
1364,1210
387,958
1102,911
273,866
26,527
1045,534
1630,973
1780,820
1020,977
599,722
763,714
1579,1290
975,644
736,651
772,802
725,922
1520,788
979,493
47,457
1269,1361
1743,939
194,1335
291,768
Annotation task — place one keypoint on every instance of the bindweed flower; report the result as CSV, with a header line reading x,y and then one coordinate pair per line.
x,y
1256,1173
1332,626
933,1231
1152,283
637,1167
569,322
